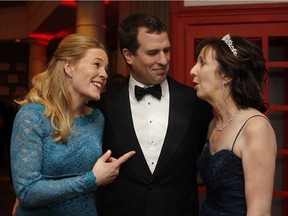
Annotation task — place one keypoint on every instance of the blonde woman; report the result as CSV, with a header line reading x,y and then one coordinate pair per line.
x,y
56,148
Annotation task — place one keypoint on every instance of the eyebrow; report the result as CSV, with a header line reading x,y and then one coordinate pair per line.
x,y
158,50
97,58
201,57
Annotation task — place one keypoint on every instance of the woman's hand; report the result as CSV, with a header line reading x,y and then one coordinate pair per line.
x,y
16,204
107,168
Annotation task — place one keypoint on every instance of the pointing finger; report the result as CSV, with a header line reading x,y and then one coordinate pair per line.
x,y
125,157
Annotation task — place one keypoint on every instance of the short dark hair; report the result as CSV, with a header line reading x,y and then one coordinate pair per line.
x,y
129,27
247,70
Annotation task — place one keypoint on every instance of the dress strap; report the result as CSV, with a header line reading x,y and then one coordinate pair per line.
x,y
244,125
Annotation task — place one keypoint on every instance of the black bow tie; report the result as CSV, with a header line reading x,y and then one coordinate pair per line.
x,y
155,91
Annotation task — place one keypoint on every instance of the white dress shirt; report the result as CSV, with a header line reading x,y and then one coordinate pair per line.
x,y
150,119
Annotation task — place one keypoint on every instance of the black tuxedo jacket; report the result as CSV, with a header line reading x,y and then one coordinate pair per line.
x,y
172,189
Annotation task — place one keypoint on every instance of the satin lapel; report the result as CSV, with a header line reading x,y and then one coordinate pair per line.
x,y
119,114
181,107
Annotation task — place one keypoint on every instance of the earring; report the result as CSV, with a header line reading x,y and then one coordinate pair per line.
x,y
223,87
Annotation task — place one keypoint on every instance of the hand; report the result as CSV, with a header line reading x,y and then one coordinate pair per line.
x,y
16,204
106,168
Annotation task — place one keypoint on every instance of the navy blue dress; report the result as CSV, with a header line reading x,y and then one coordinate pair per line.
x,y
223,176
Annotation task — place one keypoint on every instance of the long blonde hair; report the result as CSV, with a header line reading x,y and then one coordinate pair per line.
x,y
50,87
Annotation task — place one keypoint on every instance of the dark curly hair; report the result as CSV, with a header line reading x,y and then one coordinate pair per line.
x,y
247,70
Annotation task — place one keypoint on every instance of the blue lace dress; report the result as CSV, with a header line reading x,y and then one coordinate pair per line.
x,y
51,178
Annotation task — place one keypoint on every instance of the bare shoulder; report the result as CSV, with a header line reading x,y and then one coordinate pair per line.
x,y
258,134
257,124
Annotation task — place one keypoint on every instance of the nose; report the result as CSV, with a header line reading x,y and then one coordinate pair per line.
x,y
103,74
193,71
164,58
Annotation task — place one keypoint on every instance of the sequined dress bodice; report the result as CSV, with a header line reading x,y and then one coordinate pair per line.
x,y
223,176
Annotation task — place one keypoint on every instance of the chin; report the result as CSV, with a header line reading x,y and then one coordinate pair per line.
x,y
199,95
95,97
160,79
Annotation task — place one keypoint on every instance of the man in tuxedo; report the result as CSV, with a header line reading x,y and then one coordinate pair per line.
x,y
159,118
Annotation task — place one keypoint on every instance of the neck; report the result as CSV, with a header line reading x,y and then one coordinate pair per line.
x,y
226,123
80,109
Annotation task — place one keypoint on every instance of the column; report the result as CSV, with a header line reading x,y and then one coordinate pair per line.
x,y
91,19
37,58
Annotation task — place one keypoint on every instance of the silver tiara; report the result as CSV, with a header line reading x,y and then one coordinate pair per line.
x,y
229,42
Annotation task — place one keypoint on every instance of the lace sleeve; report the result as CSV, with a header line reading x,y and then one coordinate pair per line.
x,y
33,190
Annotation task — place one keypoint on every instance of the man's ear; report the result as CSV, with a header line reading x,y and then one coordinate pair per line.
x,y
68,69
127,56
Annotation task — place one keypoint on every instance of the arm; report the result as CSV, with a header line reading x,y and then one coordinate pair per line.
x,y
259,158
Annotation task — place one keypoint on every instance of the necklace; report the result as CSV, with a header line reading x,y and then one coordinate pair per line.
x,y
225,125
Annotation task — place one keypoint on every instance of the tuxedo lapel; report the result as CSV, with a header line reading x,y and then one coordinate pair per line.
x,y
180,112
118,113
